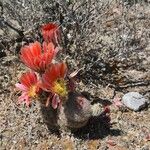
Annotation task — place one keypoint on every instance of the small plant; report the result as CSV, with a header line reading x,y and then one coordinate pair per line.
x,y
49,82
46,75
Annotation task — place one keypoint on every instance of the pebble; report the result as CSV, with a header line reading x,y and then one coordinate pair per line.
x,y
134,101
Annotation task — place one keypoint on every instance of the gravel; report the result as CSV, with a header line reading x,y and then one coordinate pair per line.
x,y
112,66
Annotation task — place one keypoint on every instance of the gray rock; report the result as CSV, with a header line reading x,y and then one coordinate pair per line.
x,y
1,32
134,101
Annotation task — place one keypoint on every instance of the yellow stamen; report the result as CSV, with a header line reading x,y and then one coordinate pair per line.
x,y
60,88
32,91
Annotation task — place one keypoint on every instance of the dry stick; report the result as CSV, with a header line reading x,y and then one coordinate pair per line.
x,y
131,84
20,32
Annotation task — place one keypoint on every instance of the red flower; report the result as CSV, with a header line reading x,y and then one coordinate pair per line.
x,y
36,58
53,81
50,32
29,87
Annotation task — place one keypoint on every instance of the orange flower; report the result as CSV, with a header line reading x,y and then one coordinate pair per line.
x,y
36,58
53,80
50,32
29,87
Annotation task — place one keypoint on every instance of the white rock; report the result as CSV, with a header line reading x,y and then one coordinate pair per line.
x,y
134,101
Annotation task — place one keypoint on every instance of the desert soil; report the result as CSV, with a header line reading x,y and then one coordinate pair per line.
x,y
114,52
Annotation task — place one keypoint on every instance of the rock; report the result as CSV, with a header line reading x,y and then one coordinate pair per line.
x,y
12,32
1,32
2,53
134,101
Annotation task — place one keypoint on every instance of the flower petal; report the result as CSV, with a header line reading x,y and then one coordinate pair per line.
x,y
55,101
28,79
52,74
35,48
49,31
21,87
36,57
27,101
63,70
22,97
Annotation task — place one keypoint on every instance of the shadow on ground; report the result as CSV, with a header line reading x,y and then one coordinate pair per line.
x,y
97,128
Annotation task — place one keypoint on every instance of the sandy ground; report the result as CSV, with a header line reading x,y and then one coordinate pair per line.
x,y
110,70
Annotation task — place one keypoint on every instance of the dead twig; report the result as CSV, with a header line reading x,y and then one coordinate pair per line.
x,y
131,84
